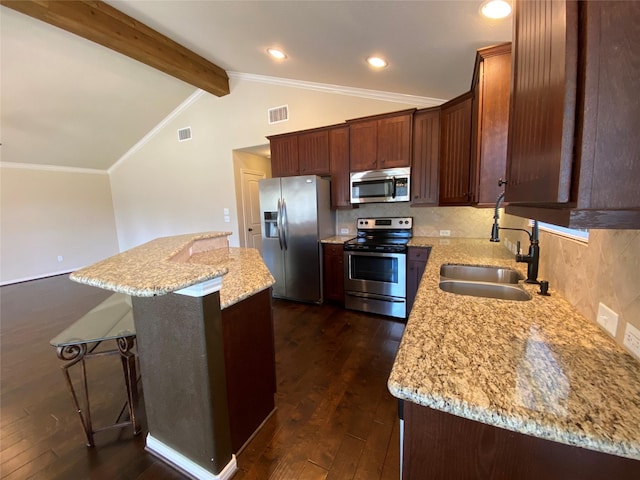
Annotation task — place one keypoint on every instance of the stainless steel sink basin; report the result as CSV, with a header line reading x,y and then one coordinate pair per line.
x,y
480,273
504,291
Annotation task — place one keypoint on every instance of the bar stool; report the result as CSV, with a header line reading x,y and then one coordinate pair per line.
x,y
110,320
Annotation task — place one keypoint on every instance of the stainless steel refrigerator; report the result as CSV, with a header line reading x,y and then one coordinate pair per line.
x,y
296,214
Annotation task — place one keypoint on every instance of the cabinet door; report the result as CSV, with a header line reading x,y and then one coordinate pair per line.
x,y
490,120
416,263
455,151
333,272
284,156
339,163
313,153
426,155
394,141
543,102
363,145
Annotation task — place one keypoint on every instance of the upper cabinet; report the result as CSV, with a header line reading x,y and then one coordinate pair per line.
x,y
339,165
313,152
455,150
284,155
426,156
572,156
489,122
381,141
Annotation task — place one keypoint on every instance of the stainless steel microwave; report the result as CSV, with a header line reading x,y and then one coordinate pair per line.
x,y
381,186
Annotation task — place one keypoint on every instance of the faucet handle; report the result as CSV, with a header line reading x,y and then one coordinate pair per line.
x,y
501,182
518,247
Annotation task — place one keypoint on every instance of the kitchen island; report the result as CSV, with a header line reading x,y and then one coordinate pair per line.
x,y
511,389
204,329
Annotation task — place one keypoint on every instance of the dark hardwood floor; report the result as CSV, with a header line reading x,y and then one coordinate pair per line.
x,y
335,418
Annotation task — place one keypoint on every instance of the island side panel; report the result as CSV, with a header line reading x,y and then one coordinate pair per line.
x,y
439,445
181,350
250,365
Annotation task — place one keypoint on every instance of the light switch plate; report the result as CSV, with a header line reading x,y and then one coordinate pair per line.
x,y
632,339
608,319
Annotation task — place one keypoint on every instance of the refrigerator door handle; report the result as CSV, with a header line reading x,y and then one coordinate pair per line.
x,y
285,224
279,223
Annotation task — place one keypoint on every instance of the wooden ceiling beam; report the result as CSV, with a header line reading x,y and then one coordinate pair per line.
x,y
109,27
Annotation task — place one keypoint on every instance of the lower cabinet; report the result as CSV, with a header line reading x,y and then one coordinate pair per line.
x,y
439,445
247,329
416,263
333,272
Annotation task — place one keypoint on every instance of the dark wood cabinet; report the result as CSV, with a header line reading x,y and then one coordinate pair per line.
x,y
455,151
425,157
249,355
382,141
572,158
439,445
313,152
339,167
333,272
417,258
489,123
284,155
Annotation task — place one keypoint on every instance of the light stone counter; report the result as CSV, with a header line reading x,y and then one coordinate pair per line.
x,y
338,239
168,264
536,367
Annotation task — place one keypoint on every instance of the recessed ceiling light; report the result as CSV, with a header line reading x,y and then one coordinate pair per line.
x,y
377,62
495,9
276,53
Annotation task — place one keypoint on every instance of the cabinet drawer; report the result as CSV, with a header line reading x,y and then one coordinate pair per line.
x,y
420,254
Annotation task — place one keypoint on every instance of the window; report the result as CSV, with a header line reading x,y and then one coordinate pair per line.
x,y
581,235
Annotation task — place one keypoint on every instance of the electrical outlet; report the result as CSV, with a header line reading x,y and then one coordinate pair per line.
x,y
445,233
60,258
225,211
227,219
344,231
632,339
608,319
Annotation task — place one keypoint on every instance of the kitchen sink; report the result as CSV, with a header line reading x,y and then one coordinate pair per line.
x,y
503,291
480,273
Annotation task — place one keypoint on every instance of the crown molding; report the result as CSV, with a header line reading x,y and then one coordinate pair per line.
x,y
52,168
413,100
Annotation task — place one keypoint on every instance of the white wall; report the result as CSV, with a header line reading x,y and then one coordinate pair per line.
x,y
46,213
169,188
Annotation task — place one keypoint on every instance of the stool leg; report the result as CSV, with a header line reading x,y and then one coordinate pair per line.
x,y
128,358
75,354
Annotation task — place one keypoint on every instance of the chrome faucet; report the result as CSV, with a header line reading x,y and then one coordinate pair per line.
x,y
533,257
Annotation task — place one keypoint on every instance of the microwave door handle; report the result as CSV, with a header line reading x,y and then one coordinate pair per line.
x,y
393,193
279,223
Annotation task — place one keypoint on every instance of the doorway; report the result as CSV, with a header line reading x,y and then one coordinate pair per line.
x,y
250,166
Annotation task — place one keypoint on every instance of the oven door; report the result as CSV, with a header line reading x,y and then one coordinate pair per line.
x,y
376,273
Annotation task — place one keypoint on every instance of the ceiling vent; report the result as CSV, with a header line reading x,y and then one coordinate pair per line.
x,y
278,114
184,134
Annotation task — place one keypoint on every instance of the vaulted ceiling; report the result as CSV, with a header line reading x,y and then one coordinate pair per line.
x,y
69,102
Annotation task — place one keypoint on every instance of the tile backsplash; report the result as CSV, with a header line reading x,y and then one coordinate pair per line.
x,y
606,269
427,221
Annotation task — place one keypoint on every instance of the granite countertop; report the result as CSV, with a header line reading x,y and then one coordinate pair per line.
x,y
536,367
168,264
339,239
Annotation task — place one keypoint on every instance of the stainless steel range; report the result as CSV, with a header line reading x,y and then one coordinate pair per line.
x,y
375,266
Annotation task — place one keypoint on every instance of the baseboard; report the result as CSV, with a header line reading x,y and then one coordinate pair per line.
x,y
35,277
185,465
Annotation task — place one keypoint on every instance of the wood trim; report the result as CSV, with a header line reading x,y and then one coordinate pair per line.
x,y
103,24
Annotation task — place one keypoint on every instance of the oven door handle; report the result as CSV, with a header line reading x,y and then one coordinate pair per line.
x,y
373,296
